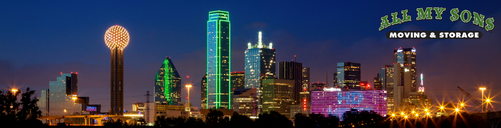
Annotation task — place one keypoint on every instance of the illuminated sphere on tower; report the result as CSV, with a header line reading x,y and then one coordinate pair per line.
x,y
116,37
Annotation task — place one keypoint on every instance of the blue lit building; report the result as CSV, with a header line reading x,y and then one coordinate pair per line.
x,y
218,60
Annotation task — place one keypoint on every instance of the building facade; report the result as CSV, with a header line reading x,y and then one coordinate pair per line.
x,y
348,75
278,95
62,91
292,71
259,63
333,101
406,58
218,60
167,84
238,80
245,102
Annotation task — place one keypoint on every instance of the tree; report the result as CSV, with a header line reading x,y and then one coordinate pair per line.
x,y
273,119
240,121
23,113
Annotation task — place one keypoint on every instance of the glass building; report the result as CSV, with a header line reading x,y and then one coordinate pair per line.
x,y
218,60
348,75
259,63
167,84
333,101
61,93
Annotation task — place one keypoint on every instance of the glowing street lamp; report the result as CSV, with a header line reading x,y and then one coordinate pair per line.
x,y
426,110
482,89
14,90
462,104
441,107
457,110
74,102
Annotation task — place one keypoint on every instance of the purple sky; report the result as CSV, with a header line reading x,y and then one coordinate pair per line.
x,y
40,40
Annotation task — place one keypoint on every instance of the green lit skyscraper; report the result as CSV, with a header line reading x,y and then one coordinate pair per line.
x,y
218,60
167,84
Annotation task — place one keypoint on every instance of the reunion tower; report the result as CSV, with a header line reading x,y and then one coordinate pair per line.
x,y
117,38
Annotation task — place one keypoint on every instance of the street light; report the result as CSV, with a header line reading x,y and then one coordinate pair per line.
x,y
74,102
188,86
482,89
462,104
14,90
442,107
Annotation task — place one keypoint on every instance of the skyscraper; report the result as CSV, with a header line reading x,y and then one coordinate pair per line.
x,y
292,71
117,38
61,93
348,75
167,84
406,58
218,60
259,63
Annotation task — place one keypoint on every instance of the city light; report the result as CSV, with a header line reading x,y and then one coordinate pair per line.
x,y
14,90
488,100
393,115
457,110
116,37
426,110
442,107
462,104
413,111
482,89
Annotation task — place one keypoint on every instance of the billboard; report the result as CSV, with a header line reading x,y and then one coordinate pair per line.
x,y
91,108
336,102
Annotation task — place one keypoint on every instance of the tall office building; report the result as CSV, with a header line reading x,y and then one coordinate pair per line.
x,y
167,84
387,78
306,78
406,59
117,38
218,60
259,63
203,97
278,95
238,80
292,71
348,75
61,95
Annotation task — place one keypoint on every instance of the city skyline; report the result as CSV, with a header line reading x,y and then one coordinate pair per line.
x,y
372,50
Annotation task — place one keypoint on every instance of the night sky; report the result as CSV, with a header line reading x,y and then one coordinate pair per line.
x,y
38,40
